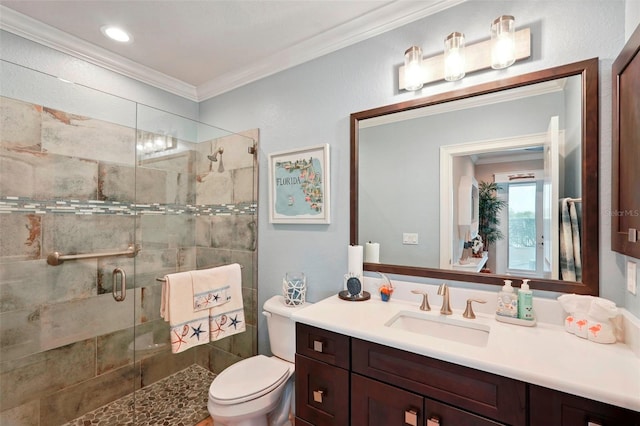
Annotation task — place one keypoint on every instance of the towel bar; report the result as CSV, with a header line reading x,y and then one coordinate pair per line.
x,y
55,258
163,280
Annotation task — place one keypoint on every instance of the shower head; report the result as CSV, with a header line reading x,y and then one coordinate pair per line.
x,y
214,156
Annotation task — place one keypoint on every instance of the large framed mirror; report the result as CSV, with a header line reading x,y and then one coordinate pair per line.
x,y
419,167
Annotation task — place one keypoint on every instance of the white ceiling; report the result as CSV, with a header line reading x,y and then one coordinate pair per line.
x,y
200,49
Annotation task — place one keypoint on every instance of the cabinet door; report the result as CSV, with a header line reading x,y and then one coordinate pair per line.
x,y
549,407
322,393
377,404
625,197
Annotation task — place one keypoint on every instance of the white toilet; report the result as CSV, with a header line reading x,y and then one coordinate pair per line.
x,y
258,391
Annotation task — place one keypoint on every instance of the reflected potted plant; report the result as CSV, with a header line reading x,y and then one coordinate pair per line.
x,y
489,209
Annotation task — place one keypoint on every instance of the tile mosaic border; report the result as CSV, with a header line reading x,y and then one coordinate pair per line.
x,y
97,207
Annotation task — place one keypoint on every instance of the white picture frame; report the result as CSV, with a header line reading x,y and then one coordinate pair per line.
x,y
299,186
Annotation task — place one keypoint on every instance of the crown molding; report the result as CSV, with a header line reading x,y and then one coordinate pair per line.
x,y
386,18
31,29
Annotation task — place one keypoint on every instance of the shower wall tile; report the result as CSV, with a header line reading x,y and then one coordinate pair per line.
x,y
38,375
159,231
220,359
209,257
47,176
250,300
25,285
234,232
76,400
77,136
151,297
64,323
214,187
23,415
203,231
242,344
86,233
19,334
187,259
182,159
164,364
21,124
20,237
116,183
106,267
243,188
236,154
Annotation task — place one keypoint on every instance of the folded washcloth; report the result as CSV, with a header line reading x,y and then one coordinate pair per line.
x,y
188,327
228,319
210,287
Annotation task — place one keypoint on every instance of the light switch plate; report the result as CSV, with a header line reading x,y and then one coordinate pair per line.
x,y
631,277
409,238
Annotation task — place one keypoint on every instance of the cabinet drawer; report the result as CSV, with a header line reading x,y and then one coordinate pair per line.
x,y
323,345
322,393
547,407
445,415
486,394
376,404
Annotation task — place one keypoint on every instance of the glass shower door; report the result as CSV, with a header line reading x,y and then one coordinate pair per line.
x,y
67,179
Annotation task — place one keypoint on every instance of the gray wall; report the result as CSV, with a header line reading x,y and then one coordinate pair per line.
x,y
311,103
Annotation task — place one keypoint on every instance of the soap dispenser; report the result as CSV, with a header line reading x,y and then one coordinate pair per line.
x,y
525,301
507,301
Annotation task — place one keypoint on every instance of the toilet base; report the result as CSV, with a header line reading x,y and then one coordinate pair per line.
x,y
255,421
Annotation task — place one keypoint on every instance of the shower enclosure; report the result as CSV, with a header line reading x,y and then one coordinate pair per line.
x,y
123,194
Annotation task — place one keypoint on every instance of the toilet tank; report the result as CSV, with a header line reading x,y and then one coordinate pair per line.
x,y
281,328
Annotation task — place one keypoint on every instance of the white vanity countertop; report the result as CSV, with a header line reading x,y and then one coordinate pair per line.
x,y
544,355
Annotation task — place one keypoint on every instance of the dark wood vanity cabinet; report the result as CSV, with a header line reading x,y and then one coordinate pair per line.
x,y
347,381
550,407
322,377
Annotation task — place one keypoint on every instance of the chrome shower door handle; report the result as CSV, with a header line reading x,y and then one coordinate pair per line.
x,y
119,297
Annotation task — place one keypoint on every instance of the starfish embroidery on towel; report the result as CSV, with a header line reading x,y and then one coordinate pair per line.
x,y
216,297
217,330
180,341
234,322
197,331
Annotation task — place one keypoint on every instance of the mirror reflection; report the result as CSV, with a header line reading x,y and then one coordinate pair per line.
x,y
489,184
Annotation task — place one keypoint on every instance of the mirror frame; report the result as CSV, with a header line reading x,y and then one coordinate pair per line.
x,y
588,70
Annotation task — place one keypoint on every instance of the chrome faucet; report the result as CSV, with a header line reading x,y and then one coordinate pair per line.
x,y
443,290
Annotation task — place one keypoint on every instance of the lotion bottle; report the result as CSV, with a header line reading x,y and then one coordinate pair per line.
x,y
507,301
525,302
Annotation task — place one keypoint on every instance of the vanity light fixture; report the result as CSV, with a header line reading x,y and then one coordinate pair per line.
x,y
116,34
505,47
454,58
503,42
413,68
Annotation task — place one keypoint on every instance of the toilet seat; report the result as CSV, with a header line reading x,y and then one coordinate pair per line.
x,y
249,379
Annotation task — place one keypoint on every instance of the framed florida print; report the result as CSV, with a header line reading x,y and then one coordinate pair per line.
x,y
299,186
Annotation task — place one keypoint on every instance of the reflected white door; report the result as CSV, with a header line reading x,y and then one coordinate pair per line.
x,y
549,239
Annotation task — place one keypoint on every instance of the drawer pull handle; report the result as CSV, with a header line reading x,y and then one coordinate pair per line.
x,y
590,423
433,421
317,395
317,346
411,417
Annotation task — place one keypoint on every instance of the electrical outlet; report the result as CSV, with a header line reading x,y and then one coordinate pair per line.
x,y
409,238
631,277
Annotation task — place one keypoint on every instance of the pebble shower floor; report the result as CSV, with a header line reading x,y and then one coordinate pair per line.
x,y
178,400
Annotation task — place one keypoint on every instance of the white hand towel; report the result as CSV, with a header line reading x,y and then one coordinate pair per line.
x,y
210,288
228,319
189,328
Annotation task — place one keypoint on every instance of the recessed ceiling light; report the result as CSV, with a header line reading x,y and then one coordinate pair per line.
x,y
117,34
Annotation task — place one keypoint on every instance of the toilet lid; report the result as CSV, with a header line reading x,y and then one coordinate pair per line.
x,y
248,379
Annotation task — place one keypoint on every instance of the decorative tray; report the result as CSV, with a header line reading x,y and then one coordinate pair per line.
x,y
345,295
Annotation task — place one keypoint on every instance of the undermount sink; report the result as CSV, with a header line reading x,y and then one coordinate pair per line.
x,y
442,327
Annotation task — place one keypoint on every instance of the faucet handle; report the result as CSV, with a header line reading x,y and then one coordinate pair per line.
x,y
468,312
425,300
